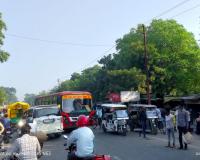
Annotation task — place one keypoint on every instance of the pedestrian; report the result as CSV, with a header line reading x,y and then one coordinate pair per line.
x,y
160,120
142,121
170,128
189,118
198,125
182,123
163,113
99,115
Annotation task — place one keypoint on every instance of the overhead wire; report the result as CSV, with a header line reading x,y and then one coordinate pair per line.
x,y
102,45
171,9
57,42
159,15
185,11
94,60
168,10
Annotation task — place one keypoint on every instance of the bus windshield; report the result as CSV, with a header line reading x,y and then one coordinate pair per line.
x,y
76,105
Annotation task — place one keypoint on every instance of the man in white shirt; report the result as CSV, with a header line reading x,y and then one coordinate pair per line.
x,y
83,138
170,128
26,147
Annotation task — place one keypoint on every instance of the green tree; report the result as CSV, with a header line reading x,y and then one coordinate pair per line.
x,y
3,96
29,98
10,94
173,57
174,62
3,54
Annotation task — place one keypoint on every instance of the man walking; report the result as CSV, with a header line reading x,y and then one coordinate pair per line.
x,y
182,123
170,128
143,119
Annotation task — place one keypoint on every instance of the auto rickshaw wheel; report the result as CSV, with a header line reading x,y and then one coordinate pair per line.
x,y
153,128
124,132
104,128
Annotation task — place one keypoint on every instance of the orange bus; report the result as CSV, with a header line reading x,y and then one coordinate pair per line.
x,y
71,103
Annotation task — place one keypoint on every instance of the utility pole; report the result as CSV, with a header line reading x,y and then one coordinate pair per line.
x,y
146,64
59,82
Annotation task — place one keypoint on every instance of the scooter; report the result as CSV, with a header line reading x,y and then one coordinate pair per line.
x,y
72,148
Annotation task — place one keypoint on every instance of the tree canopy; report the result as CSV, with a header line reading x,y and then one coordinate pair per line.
x,y
29,98
7,95
2,96
173,53
173,64
3,54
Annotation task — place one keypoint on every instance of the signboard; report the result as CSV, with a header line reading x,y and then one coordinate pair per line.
x,y
130,96
76,97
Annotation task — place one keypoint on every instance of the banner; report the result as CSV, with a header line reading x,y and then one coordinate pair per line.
x,y
130,96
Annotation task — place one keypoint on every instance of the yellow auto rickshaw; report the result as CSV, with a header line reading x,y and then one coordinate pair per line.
x,y
16,111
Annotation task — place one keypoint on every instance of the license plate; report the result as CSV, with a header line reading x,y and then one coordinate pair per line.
x,y
47,121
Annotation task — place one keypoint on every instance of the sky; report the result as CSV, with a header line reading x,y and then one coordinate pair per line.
x,y
50,39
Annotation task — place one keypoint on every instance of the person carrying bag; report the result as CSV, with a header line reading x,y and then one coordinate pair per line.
x,y
182,123
187,138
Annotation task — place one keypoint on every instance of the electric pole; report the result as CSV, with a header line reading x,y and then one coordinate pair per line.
x,y
146,64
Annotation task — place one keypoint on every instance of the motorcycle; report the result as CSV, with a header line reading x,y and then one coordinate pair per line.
x,y
72,148
7,135
19,126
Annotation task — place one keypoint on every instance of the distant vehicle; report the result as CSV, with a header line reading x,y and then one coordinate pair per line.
x,y
71,103
114,118
46,119
133,110
16,111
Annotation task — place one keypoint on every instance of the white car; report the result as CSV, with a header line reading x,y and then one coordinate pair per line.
x,y
45,118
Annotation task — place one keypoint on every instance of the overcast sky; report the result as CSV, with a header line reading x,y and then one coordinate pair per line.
x,y
76,33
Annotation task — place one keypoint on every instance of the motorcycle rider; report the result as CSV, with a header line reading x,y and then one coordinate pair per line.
x,y
83,137
26,147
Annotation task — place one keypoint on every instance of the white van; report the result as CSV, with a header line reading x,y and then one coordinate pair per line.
x,y
45,118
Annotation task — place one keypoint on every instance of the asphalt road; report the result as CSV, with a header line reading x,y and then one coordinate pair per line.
x,y
130,147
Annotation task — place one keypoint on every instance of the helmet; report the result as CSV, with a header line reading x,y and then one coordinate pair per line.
x,y
82,121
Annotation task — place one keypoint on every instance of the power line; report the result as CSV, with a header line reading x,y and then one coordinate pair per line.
x,y
187,10
169,10
159,15
94,60
57,42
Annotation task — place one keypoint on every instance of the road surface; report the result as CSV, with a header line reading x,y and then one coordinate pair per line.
x,y
130,147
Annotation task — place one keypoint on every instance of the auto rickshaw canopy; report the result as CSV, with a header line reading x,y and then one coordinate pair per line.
x,y
18,105
16,111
